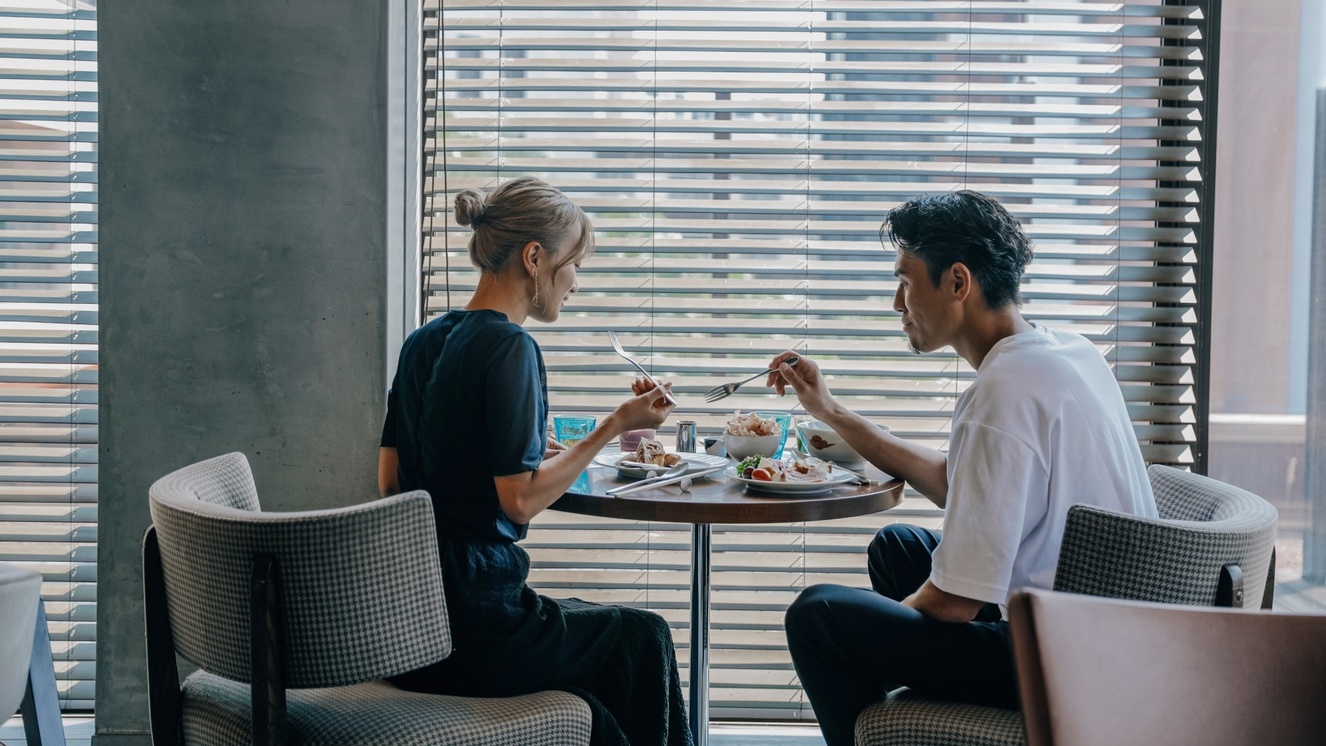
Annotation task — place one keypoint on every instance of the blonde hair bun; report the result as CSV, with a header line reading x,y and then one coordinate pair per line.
x,y
470,207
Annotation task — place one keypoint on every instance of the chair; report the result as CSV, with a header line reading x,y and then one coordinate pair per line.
x,y
27,670
317,608
1097,671
1209,537
20,592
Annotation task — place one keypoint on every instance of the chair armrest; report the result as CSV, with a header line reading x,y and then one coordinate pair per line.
x,y
1105,553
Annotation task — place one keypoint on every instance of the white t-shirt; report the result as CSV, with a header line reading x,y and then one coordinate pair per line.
x,y
1042,427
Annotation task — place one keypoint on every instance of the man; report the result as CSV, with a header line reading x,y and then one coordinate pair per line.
x,y
1043,426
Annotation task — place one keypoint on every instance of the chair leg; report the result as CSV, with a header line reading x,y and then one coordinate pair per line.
x,y
267,653
1229,592
41,701
163,677
1268,595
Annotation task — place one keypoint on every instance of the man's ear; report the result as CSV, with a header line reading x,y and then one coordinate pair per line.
x,y
531,256
963,284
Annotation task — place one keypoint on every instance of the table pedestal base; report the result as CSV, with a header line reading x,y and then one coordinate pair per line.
x,y
700,540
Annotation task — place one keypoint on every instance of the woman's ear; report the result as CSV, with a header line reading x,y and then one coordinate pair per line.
x,y
531,256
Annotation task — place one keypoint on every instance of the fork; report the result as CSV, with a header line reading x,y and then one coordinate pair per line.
x,y
612,337
718,393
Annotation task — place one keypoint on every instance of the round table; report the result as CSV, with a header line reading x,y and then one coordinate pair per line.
x,y
718,499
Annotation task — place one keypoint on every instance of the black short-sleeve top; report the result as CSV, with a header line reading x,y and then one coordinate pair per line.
x,y
469,402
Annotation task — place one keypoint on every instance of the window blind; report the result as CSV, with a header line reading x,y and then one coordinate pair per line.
x,y
48,319
737,159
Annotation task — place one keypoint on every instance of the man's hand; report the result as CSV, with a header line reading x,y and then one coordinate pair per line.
x,y
943,606
805,379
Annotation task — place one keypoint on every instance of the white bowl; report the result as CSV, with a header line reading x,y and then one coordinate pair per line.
x,y
824,443
744,446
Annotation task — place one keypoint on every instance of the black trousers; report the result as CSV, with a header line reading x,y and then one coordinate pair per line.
x,y
851,645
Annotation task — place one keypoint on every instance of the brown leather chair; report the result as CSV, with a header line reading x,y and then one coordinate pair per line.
x,y
1103,671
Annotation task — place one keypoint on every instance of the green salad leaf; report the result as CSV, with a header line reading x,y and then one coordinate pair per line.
x,y
750,462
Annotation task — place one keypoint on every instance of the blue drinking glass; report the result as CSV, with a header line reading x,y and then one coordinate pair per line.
x,y
784,420
571,429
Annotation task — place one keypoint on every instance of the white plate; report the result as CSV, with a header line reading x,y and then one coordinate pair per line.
x,y
694,462
791,488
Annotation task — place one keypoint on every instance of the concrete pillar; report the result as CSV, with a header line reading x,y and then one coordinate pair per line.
x,y
243,264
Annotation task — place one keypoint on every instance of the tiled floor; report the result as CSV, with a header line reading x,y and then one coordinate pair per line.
x,y
78,731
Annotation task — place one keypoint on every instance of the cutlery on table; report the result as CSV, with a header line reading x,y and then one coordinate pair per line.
x,y
612,337
676,471
643,465
662,481
724,391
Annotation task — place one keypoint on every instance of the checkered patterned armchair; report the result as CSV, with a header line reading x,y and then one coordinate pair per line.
x,y
1208,537
318,608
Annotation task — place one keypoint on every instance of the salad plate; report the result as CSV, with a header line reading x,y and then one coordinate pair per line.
x,y
694,462
838,477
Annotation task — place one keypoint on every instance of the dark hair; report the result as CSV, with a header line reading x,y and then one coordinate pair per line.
x,y
521,210
967,227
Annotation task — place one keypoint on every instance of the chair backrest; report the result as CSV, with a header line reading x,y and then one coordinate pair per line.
x,y
1204,525
1097,671
362,585
20,590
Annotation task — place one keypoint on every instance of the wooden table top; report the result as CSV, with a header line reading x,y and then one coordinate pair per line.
x,y
717,499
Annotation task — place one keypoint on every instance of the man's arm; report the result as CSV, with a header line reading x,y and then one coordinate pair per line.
x,y
925,469
943,606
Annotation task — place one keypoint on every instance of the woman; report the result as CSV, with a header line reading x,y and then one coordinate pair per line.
x,y
466,421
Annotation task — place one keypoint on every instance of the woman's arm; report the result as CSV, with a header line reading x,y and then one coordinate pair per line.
x,y
388,461
527,494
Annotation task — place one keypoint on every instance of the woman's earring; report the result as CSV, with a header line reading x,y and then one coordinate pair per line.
x,y
537,304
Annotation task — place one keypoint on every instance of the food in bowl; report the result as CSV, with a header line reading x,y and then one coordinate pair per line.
x,y
751,435
807,470
751,425
822,442
651,451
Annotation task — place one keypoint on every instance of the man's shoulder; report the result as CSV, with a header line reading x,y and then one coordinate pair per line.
x,y
1038,362
1038,379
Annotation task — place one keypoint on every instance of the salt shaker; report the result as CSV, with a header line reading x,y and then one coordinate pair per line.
x,y
685,436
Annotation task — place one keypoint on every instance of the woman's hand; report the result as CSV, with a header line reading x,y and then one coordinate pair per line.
x,y
554,448
805,379
647,409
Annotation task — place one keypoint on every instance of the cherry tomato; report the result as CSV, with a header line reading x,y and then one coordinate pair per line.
x,y
761,475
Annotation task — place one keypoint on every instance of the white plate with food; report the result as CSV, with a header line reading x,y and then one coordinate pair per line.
x,y
631,465
791,477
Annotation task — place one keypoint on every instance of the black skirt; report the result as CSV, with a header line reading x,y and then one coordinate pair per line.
x,y
508,640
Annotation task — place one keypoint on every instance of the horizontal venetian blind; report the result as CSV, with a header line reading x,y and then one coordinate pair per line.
x,y
737,159
48,319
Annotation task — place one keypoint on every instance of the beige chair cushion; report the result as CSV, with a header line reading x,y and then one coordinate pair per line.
x,y
905,718
216,713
